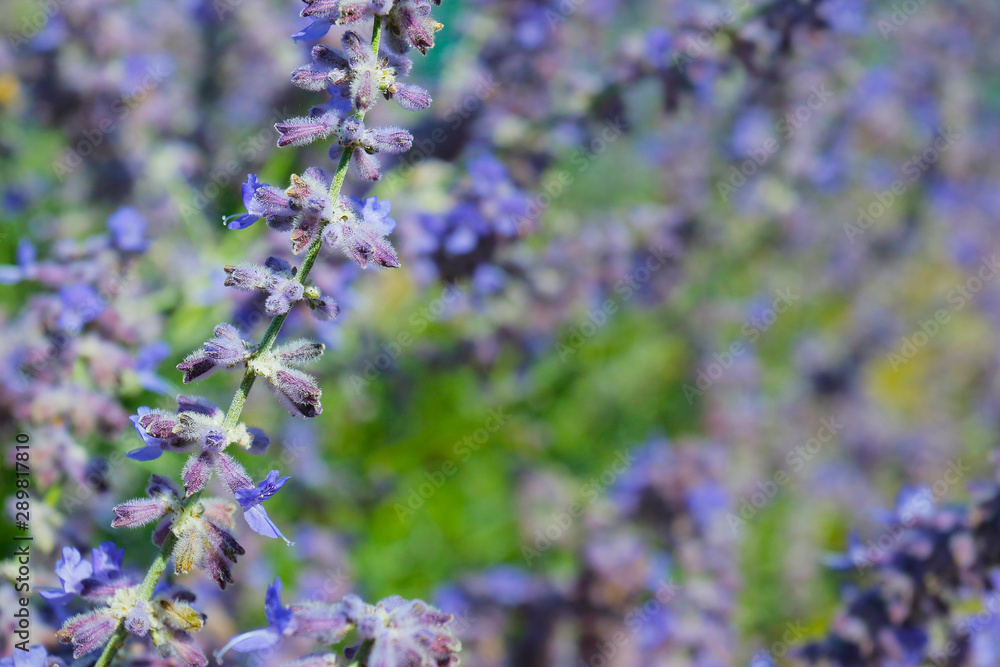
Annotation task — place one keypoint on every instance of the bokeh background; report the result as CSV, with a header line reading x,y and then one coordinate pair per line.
x,y
692,292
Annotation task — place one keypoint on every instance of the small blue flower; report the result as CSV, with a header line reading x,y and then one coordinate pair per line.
x,y
255,514
153,446
146,360
376,214
80,304
278,619
26,256
128,230
71,570
36,656
107,560
254,208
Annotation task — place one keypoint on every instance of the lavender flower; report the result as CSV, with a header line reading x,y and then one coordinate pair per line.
x,y
399,632
262,201
251,500
198,425
278,618
36,656
403,632
71,570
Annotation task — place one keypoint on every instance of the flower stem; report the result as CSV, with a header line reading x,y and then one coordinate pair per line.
x,y
162,559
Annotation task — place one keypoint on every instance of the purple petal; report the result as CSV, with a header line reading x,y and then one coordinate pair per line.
x,y
278,616
255,640
314,31
243,221
260,523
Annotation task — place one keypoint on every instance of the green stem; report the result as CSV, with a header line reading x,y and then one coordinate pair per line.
x,y
363,654
159,565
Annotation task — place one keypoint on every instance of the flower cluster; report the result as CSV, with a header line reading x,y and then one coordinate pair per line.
x,y
466,241
392,633
926,558
662,523
72,355
276,278
408,22
192,530
168,619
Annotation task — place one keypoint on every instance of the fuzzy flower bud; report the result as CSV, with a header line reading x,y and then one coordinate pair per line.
x,y
203,539
306,129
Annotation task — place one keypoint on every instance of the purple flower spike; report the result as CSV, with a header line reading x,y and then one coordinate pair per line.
x,y
410,25
71,570
278,621
251,501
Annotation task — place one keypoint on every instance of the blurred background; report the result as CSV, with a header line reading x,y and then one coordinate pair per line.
x,y
692,294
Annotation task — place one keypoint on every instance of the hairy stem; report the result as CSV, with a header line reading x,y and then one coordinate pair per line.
x,y
159,564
